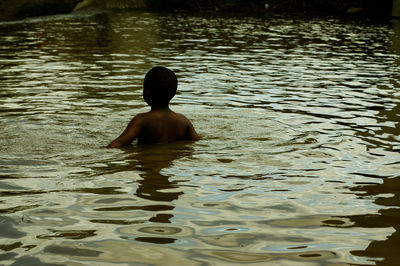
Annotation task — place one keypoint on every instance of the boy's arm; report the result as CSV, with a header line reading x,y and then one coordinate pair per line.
x,y
191,133
130,133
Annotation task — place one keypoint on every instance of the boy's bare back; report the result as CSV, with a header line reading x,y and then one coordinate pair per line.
x,y
156,126
161,124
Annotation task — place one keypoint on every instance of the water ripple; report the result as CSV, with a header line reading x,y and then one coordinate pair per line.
x,y
299,119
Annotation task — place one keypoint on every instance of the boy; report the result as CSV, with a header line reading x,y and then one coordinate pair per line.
x,y
161,124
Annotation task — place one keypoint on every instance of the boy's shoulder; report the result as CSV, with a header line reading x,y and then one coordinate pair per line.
x,y
180,117
160,114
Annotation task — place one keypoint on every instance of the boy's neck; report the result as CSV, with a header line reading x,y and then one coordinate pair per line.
x,y
160,108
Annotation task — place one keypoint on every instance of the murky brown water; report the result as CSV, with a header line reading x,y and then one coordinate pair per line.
x,y
299,162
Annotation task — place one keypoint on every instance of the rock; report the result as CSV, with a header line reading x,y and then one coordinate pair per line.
x,y
396,8
83,4
354,10
20,9
111,4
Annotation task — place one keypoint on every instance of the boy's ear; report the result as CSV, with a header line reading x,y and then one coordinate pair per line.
x,y
147,96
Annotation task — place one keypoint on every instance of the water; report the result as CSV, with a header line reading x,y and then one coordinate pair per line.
x,y
299,159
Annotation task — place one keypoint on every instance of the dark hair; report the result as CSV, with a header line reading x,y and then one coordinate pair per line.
x,y
160,85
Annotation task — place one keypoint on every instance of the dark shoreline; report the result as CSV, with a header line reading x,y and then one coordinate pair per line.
x,y
21,9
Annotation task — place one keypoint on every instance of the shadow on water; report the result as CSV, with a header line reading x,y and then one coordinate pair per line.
x,y
386,194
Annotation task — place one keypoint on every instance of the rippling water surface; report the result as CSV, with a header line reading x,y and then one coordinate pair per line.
x,y
299,159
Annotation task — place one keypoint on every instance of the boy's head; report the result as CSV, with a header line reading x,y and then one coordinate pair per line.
x,y
160,86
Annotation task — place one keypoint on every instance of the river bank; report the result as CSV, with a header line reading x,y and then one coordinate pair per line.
x,y
21,9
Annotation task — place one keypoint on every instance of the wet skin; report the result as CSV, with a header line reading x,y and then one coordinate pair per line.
x,y
160,125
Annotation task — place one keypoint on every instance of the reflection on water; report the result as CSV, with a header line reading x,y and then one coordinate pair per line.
x,y
299,159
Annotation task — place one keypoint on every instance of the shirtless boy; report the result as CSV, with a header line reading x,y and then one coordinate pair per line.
x,y
160,124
